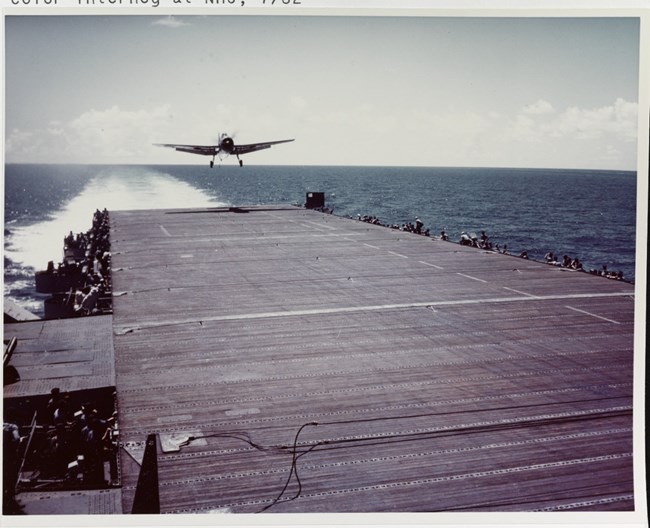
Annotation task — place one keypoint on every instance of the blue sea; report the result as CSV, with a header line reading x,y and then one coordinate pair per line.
x,y
581,213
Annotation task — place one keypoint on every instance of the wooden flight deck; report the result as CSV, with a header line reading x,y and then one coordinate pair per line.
x,y
294,361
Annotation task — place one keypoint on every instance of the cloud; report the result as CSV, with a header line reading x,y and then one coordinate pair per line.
x,y
20,141
539,135
524,128
618,120
114,132
539,107
169,21
610,153
110,135
599,137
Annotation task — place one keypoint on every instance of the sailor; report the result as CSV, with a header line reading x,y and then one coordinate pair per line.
x,y
418,225
53,402
484,239
10,467
94,436
61,414
61,451
90,300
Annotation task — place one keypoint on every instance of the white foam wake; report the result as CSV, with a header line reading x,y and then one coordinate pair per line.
x,y
114,188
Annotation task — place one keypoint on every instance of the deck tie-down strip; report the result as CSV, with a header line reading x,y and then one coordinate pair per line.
x,y
428,481
124,329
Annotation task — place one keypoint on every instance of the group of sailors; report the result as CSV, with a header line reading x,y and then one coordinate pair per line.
x,y
78,441
566,262
87,265
483,242
410,227
67,446
575,264
604,272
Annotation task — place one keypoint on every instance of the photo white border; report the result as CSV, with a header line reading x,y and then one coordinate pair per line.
x,y
415,8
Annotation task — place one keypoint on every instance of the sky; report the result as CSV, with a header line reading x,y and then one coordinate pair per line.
x,y
352,90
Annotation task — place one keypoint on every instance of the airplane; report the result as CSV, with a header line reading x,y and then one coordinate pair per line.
x,y
226,146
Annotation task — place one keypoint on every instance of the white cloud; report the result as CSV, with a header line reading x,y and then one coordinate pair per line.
x,y
20,141
525,128
116,133
601,137
618,120
539,107
111,135
611,153
169,21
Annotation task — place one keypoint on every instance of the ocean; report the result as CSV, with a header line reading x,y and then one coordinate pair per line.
x,y
581,213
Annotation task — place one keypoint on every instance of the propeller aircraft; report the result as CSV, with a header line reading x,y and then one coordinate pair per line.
x,y
225,147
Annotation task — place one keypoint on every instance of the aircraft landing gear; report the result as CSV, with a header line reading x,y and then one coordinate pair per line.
x,y
211,163
241,162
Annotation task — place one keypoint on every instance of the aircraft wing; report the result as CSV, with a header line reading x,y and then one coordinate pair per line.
x,y
205,150
252,147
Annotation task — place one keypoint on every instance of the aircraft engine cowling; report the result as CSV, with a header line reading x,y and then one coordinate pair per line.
x,y
227,144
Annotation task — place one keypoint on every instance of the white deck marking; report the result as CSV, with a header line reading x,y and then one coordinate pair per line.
x,y
321,226
518,291
311,225
262,237
470,277
398,254
432,265
162,227
351,309
371,246
593,315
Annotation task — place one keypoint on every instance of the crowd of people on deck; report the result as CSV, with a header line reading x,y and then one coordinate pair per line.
x,y
87,264
78,441
410,227
483,242
67,447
